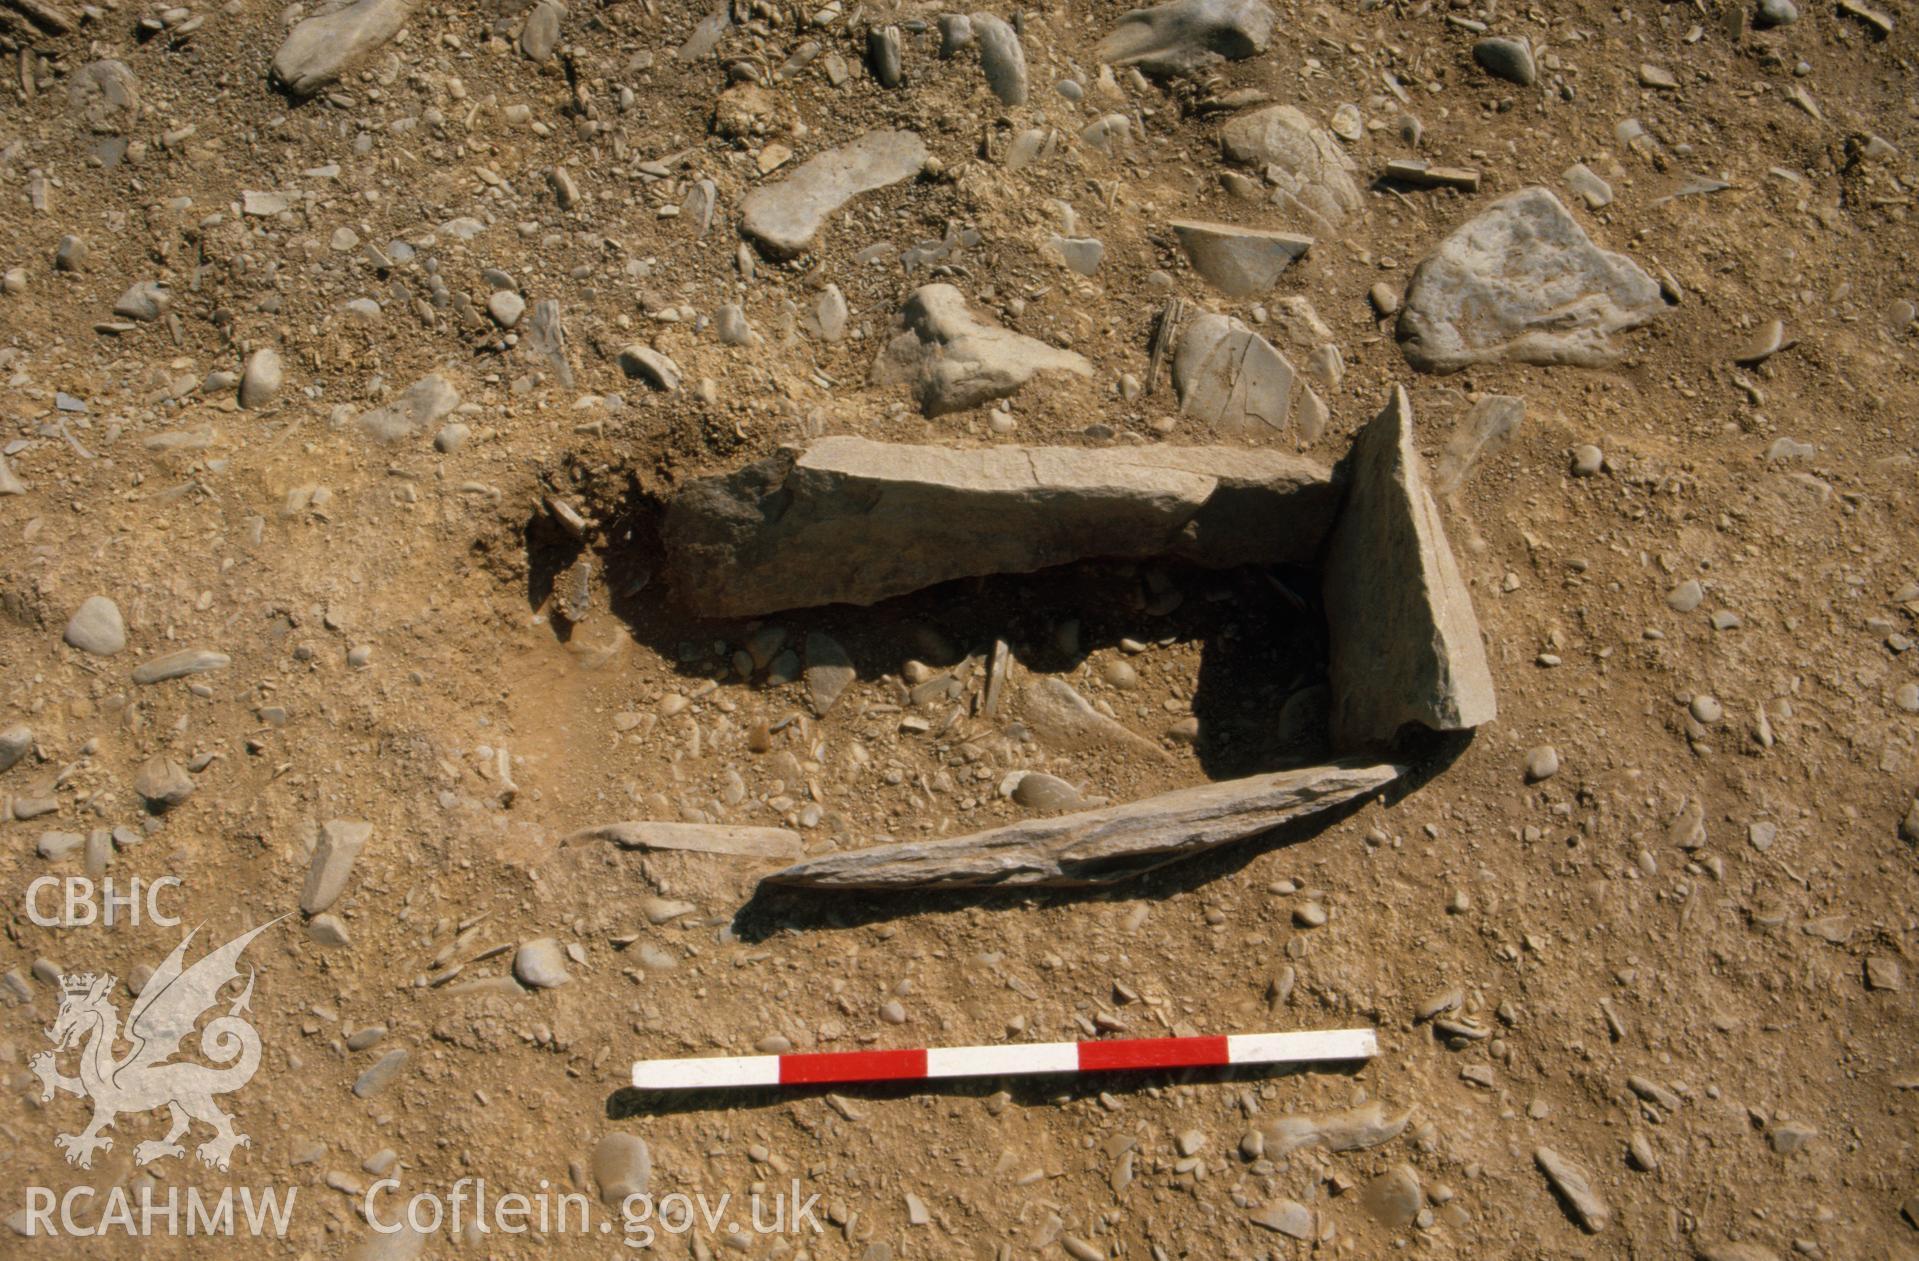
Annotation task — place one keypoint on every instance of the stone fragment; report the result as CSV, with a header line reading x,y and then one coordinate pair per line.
x,y
106,96
701,838
380,1075
848,520
146,301
341,841
541,34
1575,1190
96,627
177,665
1522,283
1067,722
1001,57
334,40
1232,378
1508,59
162,783
955,359
1310,172
418,406
260,381
1097,847
1352,1130
1184,37
783,218
650,366
541,964
16,742
1405,645
1394,1198
70,254
1239,262
622,1166
1285,1217
829,671
1486,427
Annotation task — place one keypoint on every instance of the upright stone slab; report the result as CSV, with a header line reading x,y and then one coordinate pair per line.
x,y
1405,644
1522,283
1239,262
851,521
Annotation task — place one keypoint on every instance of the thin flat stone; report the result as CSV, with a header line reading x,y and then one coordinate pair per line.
x,y
1405,643
782,219
177,665
1097,847
1575,1188
1239,262
341,841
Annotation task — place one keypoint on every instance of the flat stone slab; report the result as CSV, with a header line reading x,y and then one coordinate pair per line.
x,y
851,521
1405,645
702,838
783,218
955,359
1311,174
1097,847
1523,283
1233,379
334,40
1184,37
1239,262
413,410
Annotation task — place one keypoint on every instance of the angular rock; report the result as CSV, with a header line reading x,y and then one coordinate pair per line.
x,y
10,484
1285,1217
15,743
1522,283
380,1075
543,340
420,405
96,627
1184,37
1097,847
829,671
1352,1130
701,838
1001,57
261,379
145,301
955,359
622,1166
162,783
178,665
1232,378
106,96
1405,645
1508,59
341,841
1312,175
782,219
1239,262
1573,1187
1065,721
848,520
334,40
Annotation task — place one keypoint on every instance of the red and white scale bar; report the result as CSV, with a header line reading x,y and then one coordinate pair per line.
x,y
1012,1060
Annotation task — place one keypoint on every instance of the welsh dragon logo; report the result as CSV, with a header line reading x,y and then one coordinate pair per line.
x,y
169,1006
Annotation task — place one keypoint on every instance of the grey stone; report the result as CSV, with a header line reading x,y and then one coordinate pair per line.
x,y
1542,763
334,40
1065,721
16,742
541,34
956,34
180,664
1405,645
106,96
506,307
1508,59
1311,173
1394,1197
1001,57
829,671
328,930
828,322
1286,1217
541,964
1488,425
419,406
1037,790
162,783
700,838
847,520
1185,37
145,301
1098,846
955,359
729,324
70,254
1777,13
381,1074
261,379
622,1166
96,627
1522,283
1232,378
1081,254
543,340
650,366
1587,186
1743,1251
1239,262
883,54
341,841
783,218
1575,1189
10,484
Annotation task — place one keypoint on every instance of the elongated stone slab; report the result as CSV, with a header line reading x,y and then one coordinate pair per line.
x,y
334,40
703,838
1096,847
783,218
1405,644
850,521
177,665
